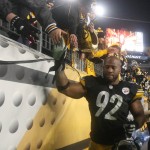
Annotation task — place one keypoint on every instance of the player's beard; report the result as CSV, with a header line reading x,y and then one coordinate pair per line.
x,y
111,78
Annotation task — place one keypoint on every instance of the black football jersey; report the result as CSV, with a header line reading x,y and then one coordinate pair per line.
x,y
109,108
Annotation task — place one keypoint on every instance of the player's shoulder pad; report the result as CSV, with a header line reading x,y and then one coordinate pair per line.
x,y
89,81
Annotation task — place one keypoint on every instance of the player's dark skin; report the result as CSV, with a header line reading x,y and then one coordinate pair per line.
x,y
112,69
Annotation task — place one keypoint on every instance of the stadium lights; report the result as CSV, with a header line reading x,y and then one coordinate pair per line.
x,y
69,0
98,10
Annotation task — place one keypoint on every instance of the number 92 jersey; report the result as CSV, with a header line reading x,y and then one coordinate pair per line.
x,y
109,107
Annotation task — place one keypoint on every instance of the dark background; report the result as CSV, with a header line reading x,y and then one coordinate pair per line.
x,y
135,12
133,15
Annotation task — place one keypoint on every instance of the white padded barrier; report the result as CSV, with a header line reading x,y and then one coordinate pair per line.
x,y
23,90
33,114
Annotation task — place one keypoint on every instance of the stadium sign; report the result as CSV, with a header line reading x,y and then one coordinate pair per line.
x,y
137,57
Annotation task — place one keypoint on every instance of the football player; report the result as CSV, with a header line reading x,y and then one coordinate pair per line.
x,y
110,101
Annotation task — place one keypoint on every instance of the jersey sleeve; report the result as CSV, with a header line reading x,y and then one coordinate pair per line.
x,y
136,92
99,53
88,82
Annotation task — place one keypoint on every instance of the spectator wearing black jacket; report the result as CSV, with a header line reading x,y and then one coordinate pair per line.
x,y
65,18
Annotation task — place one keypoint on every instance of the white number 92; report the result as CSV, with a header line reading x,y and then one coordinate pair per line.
x,y
102,103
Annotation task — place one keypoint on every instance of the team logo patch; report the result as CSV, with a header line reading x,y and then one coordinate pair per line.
x,y
125,90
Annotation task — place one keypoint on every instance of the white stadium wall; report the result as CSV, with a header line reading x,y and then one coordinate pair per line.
x,y
33,114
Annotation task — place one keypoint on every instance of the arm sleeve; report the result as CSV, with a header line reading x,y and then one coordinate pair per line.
x,y
5,8
41,11
136,92
88,82
139,94
99,53
73,19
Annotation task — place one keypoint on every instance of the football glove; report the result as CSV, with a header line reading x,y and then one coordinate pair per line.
x,y
25,29
129,128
